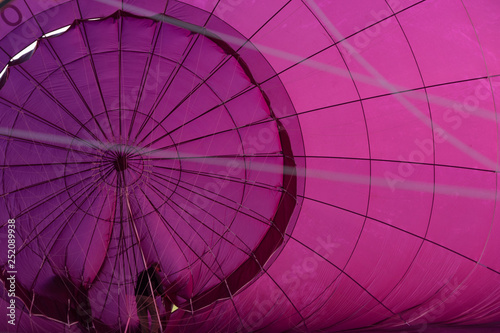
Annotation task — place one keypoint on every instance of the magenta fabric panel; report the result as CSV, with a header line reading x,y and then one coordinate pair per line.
x,y
292,165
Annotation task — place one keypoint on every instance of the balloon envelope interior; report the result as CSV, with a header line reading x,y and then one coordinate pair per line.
x,y
291,165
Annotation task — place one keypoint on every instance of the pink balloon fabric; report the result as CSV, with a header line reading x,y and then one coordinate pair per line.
x,y
306,166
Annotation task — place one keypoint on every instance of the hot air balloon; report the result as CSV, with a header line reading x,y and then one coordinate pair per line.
x,y
291,166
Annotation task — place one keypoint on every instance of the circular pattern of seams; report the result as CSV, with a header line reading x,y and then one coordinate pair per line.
x,y
266,100
102,153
